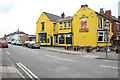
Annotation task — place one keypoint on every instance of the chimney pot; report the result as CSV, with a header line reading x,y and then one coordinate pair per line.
x,y
84,5
101,11
119,17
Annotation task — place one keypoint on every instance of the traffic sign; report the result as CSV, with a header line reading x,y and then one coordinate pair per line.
x,y
107,23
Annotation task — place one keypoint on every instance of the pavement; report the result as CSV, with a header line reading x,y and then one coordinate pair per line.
x,y
111,55
7,68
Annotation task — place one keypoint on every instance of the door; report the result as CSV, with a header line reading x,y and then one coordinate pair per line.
x,y
51,41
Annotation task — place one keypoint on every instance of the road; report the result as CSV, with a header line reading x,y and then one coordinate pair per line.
x,y
49,64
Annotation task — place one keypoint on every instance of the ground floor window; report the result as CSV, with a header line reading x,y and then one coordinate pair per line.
x,y
68,38
61,39
42,37
55,39
101,36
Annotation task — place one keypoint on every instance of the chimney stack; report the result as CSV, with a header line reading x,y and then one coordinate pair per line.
x,y
119,17
84,5
63,15
101,11
108,13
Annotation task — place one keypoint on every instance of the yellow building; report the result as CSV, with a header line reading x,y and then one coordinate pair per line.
x,y
85,28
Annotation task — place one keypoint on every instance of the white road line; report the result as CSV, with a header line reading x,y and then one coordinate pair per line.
x,y
109,67
61,58
8,53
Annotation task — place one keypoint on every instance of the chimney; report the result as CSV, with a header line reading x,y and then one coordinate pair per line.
x,y
101,11
63,15
84,5
119,17
108,13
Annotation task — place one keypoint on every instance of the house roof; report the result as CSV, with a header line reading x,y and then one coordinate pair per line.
x,y
52,17
65,19
113,17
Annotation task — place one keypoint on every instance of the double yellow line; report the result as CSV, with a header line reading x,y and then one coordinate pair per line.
x,y
27,71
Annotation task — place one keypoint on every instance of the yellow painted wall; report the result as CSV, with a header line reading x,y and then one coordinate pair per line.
x,y
48,28
85,38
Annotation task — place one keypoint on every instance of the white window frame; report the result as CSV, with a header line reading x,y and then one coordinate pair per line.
x,y
100,35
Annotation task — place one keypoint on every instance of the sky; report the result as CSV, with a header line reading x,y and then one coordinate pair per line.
x,y
23,14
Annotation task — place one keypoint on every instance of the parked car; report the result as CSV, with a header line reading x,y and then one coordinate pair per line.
x,y
25,44
14,42
33,44
3,44
19,43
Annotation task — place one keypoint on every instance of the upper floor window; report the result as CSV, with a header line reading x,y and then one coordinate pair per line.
x,y
118,27
68,24
100,23
64,25
104,22
54,26
42,23
61,25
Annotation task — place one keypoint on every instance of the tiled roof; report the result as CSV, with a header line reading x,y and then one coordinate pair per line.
x,y
52,17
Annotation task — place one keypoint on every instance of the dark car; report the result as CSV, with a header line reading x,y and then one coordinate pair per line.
x,y
33,44
3,44
25,44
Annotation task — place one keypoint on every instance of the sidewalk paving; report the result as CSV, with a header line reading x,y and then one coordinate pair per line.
x,y
7,69
95,55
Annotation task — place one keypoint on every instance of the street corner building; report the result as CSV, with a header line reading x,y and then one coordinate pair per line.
x,y
85,28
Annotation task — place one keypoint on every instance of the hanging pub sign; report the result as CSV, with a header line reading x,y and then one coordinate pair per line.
x,y
84,30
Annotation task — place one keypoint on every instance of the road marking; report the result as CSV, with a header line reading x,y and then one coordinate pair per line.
x,y
61,58
27,71
8,53
109,67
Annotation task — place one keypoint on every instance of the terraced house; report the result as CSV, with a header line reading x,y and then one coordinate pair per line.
x,y
85,28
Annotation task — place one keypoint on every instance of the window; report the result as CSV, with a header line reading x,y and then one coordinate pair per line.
x,y
68,24
104,22
61,39
60,25
64,25
100,36
55,39
42,23
118,27
42,37
100,22
68,39
54,26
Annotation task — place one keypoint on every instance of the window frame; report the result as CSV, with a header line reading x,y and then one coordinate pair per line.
x,y
100,35
54,27
100,22
61,38
42,26
61,25
69,25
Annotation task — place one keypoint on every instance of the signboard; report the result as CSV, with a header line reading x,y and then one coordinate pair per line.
x,y
84,23
84,30
107,23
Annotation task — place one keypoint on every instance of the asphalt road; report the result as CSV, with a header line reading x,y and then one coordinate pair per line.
x,y
49,64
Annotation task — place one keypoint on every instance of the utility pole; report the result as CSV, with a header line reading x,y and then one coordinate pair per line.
x,y
107,24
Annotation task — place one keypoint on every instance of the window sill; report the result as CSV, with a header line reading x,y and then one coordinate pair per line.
x,y
103,42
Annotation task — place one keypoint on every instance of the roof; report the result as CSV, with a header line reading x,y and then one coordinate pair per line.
x,y
65,19
115,19
103,16
52,17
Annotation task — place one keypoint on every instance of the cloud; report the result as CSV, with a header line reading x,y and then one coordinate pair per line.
x,y
23,14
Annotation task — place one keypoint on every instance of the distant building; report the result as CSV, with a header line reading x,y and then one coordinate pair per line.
x,y
27,38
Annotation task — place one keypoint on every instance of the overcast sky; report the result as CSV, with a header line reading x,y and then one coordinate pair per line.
x,y
23,14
